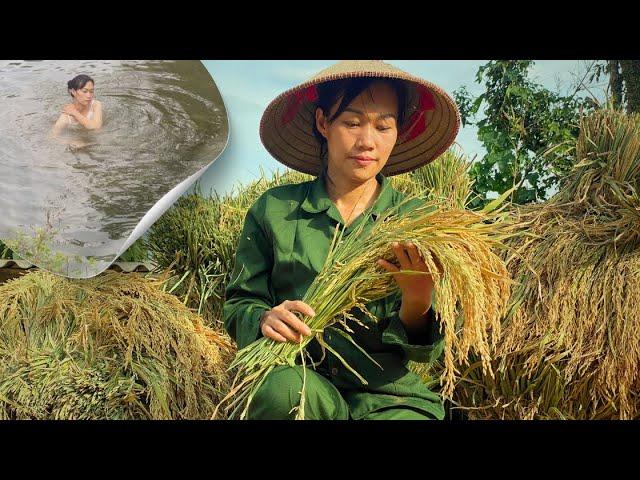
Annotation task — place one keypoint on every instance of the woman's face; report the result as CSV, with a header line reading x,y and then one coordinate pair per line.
x,y
361,138
84,95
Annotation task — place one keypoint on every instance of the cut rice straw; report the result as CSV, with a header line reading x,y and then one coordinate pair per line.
x,y
474,285
570,346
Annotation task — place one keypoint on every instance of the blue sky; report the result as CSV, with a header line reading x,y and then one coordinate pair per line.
x,y
247,86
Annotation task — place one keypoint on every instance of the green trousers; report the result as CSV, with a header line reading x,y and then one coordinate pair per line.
x,y
280,393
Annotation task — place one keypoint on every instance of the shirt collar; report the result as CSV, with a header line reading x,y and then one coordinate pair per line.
x,y
317,199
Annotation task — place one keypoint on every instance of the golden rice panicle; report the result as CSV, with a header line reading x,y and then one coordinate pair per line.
x,y
474,288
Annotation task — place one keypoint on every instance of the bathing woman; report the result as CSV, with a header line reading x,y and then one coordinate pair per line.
x,y
85,111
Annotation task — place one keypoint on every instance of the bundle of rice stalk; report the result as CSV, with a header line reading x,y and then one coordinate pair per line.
x,y
196,241
114,346
570,344
474,283
445,181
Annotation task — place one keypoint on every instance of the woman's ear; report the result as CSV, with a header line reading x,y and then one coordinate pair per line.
x,y
321,122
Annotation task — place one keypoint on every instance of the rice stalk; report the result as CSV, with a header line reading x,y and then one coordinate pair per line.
x,y
474,284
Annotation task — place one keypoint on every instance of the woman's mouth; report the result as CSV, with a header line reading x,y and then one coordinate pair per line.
x,y
362,160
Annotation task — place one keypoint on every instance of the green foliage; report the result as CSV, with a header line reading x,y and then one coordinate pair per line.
x,y
137,252
527,130
36,248
5,252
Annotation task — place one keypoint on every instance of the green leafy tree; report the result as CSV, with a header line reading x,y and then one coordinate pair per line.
x,y
526,129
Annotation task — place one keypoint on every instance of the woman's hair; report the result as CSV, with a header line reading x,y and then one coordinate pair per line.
x,y
347,89
78,82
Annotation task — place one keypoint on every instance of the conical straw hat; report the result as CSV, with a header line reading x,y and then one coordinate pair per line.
x,y
431,125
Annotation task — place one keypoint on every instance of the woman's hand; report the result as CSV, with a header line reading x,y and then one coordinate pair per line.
x,y
413,287
281,325
416,289
70,110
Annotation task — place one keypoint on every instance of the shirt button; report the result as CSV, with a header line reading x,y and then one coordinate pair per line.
x,y
334,371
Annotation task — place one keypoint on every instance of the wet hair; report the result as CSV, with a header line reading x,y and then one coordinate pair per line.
x,y
78,82
347,89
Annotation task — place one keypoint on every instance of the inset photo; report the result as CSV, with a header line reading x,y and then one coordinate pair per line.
x,y
92,152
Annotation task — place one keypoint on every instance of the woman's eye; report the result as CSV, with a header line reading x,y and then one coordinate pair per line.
x,y
383,128
351,124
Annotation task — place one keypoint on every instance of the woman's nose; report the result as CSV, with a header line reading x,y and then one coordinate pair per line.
x,y
365,139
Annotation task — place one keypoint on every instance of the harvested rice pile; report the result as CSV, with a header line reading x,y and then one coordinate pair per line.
x,y
571,343
112,347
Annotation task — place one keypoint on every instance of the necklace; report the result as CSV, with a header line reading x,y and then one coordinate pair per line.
x,y
371,197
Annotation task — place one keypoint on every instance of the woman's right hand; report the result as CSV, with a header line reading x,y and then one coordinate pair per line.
x,y
70,110
281,325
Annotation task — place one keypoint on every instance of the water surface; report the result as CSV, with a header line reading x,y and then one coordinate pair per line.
x,y
70,209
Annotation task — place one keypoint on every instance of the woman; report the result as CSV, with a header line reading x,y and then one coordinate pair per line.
x,y
85,111
350,125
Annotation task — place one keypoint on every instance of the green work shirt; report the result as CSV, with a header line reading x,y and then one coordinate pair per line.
x,y
284,244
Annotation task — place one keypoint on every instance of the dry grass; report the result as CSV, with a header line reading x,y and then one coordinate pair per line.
x,y
444,181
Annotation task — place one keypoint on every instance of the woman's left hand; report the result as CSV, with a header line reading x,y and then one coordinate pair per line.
x,y
416,289
413,287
